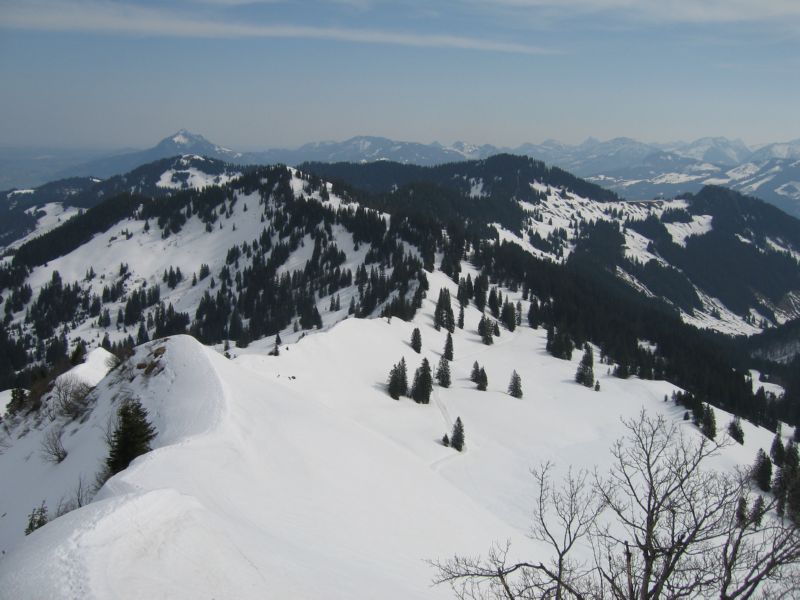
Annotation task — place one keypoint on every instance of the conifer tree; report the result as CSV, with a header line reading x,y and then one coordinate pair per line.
x,y
131,438
533,315
485,331
476,372
461,316
402,376
709,423
515,385
791,459
445,440
393,386
19,398
443,372
493,302
443,315
423,383
141,335
509,316
416,340
448,347
762,470
585,373
457,439
777,450
37,518
735,430
483,380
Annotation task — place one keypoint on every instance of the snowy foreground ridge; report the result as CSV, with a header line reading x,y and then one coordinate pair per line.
x,y
298,476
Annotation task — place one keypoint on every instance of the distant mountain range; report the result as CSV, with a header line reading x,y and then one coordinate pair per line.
x,y
633,169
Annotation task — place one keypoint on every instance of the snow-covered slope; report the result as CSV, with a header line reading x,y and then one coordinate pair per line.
x,y
297,476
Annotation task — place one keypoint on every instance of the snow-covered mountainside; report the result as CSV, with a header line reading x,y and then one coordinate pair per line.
x,y
676,250
775,180
298,476
182,142
281,465
36,211
633,169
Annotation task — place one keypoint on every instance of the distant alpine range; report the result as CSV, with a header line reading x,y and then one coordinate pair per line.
x,y
632,169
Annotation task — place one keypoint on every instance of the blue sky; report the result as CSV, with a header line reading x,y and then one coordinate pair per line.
x,y
258,74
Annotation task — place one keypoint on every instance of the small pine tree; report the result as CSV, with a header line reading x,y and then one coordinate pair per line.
x,y
394,383
777,450
19,398
402,376
585,373
416,340
509,316
483,380
448,347
515,385
461,317
445,440
762,470
457,439
791,459
131,438
476,372
443,373
735,430
37,518
709,423
596,386
423,383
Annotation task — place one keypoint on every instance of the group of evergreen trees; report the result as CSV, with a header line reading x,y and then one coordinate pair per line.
x,y
398,380
421,387
478,376
456,439
443,314
488,329
779,472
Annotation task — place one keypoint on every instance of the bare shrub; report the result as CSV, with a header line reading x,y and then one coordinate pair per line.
x,y
80,495
70,396
673,529
112,362
52,449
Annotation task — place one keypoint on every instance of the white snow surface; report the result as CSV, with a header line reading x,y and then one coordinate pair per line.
x,y
770,388
699,225
192,178
55,214
5,398
297,476
92,370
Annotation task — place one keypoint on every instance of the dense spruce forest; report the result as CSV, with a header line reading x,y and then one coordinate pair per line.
x,y
502,176
436,220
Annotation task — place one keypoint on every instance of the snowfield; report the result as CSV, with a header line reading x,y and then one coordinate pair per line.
x,y
297,476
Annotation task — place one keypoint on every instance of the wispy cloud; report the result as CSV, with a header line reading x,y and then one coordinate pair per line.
x,y
116,18
689,11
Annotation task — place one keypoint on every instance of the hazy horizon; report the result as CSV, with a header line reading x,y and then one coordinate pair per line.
x,y
152,143
259,74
